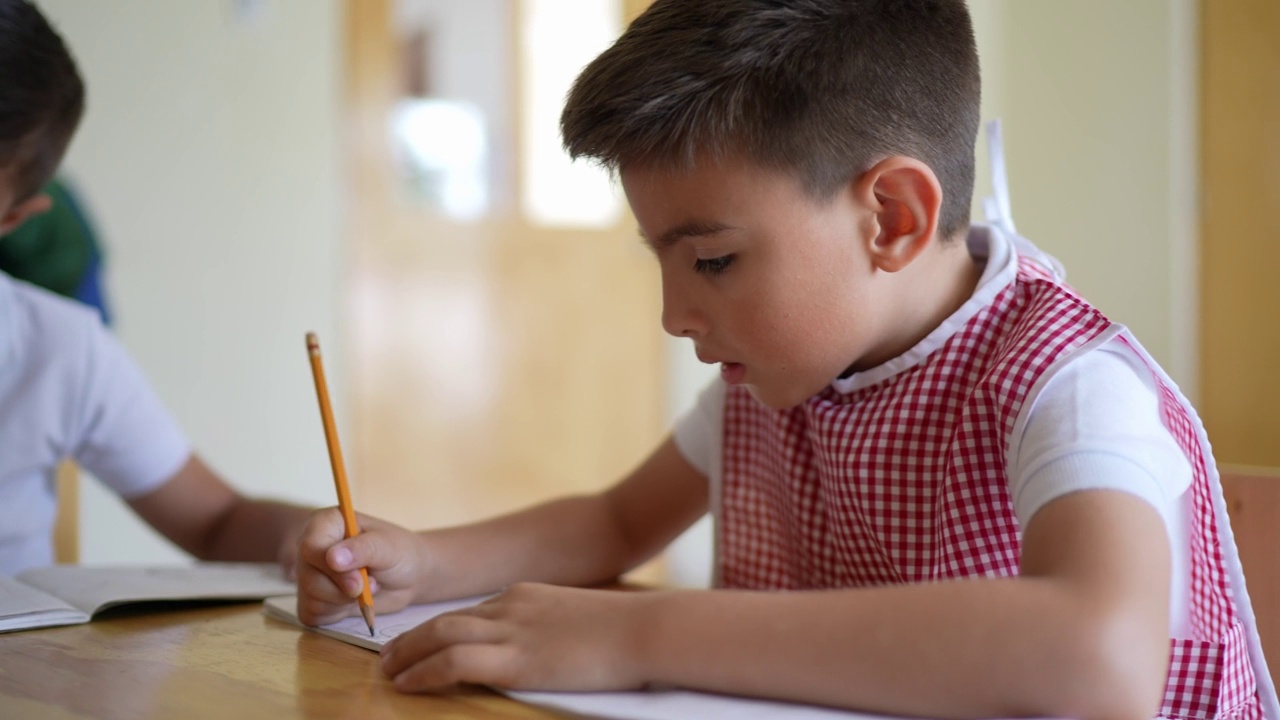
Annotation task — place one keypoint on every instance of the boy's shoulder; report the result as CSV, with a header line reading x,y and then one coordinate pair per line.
x,y
45,305
37,325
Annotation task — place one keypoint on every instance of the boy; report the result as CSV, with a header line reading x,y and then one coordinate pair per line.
x,y
986,499
67,388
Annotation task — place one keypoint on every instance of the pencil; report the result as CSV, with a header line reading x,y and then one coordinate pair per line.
x,y
339,470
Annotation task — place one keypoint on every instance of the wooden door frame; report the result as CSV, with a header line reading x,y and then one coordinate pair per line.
x,y
1239,336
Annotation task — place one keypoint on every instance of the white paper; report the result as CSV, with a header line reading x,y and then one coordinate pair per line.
x,y
353,630
94,589
68,594
23,607
681,704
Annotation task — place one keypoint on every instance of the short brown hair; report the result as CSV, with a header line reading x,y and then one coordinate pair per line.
x,y
821,88
41,97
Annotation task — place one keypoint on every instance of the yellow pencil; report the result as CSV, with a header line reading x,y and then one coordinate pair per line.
x,y
339,470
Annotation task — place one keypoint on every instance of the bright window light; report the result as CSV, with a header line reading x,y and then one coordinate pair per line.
x,y
558,39
442,148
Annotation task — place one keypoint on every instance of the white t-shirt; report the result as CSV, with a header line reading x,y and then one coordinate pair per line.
x,y
1095,424
68,390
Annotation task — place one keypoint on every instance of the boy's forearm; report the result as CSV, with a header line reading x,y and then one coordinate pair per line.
x,y
1081,632
254,531
570,541
962,649
582,540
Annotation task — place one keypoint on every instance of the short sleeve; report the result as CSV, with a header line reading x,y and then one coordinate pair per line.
x,y
126,437
1096,425
697,432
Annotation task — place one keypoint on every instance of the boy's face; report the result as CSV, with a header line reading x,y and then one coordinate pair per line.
x,y
777,287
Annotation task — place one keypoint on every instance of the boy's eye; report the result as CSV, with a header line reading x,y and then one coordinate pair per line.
x,y
713,266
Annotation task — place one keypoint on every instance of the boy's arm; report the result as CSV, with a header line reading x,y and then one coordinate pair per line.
x,y
203,515
582,540
1083,632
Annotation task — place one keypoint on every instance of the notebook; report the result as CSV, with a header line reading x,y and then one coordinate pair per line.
x,y
639,705
73,594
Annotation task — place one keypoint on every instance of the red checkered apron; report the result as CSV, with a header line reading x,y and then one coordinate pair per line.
x,y
904,481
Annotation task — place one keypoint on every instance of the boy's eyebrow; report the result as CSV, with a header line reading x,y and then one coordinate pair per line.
x,y
688,229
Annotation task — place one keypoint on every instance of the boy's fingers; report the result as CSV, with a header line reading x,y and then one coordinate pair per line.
x,y
321,586
455,665
321,600
368,550
436,636
322,530
313,611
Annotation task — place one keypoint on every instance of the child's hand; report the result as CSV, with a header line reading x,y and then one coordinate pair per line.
x,y
529,637
328,567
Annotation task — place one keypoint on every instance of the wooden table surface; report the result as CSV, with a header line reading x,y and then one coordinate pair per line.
x,y
212,662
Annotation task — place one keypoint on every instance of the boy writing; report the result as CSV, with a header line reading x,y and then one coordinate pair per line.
x,y
983,498
67,388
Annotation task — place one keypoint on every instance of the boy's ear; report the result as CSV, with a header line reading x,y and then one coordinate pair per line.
x,y
905,198
18,214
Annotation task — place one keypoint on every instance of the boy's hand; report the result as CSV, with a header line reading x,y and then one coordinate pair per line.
x,y
328,567
529,637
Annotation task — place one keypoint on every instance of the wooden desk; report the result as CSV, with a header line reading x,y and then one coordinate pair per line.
x,y
212,662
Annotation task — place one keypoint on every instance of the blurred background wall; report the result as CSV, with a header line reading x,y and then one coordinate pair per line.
x,y
1099,100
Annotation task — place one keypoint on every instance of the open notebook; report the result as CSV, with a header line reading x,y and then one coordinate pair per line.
x,y
72,594
647,705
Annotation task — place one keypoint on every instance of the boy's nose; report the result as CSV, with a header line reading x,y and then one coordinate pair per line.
x,y
680,316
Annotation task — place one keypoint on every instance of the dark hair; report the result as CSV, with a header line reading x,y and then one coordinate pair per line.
x,y
41,96
821,88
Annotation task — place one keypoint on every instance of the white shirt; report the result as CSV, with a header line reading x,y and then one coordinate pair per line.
x,y
69,390
1095,424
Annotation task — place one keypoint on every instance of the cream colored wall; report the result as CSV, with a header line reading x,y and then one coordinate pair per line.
x,y
1098,102
209,157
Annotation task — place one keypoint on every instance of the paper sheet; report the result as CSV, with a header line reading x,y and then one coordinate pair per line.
x,y
92,589
353,630
23,607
